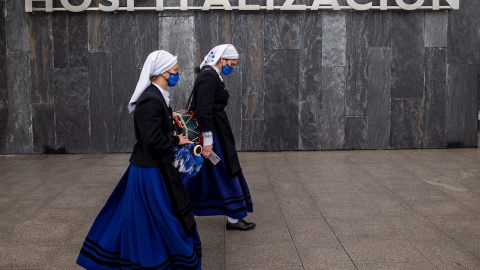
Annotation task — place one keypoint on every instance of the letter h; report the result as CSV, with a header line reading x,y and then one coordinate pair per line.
x,y
29,5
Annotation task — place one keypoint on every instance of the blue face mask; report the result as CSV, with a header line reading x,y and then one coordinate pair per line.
x,y
227,69
173,79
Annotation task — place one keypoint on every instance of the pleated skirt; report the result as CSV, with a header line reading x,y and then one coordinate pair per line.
x,y
212,192
138,229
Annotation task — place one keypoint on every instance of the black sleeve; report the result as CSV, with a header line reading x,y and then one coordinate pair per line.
x,y
204,100
148,117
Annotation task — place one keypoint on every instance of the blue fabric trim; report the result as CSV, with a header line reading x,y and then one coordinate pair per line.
x,y
212,192
138,228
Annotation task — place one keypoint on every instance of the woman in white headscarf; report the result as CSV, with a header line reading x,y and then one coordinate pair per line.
x,y
218,189
147,223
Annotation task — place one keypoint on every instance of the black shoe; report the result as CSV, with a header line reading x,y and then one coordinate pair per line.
x,y
241,225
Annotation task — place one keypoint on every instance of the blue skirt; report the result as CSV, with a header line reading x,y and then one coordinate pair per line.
x,y
138,229
212,192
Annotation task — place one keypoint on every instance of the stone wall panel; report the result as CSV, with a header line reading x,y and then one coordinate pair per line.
x,y
60,40
282,30
43,126
378,110
356,68
72,115
3,128
356,132
3,55
250,45
434,99
17,33
333,108
124,79
463,34
206,28
281,101
436,29
333,38
101,101
406,123
19,124
364,30
310,81
99,31
41,58
146,39
253,135
310,128
408,52
3,83
461,112
231,32
77,40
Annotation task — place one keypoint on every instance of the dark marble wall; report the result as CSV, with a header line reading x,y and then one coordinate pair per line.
x,y
3,81
306,80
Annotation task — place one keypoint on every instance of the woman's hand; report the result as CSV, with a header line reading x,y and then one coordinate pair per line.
x,y
207,149
183,140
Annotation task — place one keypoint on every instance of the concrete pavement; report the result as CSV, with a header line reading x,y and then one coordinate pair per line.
x,y
402,209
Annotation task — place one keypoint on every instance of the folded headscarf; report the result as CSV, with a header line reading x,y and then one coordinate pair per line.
x,y
226,51
157,63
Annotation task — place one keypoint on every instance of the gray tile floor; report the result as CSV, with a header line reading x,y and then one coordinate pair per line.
x,y
404,209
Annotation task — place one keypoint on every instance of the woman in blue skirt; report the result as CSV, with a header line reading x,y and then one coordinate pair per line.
x,y
147,223
218,189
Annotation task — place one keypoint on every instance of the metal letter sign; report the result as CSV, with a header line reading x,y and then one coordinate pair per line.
x,y
114,5
82,7
357,6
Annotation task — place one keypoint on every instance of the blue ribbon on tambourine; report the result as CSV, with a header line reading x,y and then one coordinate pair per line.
x,y
188,160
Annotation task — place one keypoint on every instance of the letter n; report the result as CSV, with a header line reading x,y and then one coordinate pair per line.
x,y
455,4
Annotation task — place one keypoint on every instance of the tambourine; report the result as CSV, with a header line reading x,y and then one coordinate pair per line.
x,y
187,122
197,150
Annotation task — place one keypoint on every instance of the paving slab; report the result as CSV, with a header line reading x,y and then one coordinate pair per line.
x,y
325,257
366,210
396,266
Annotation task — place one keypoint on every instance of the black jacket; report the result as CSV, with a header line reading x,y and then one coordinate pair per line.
x,y
209,100
154,148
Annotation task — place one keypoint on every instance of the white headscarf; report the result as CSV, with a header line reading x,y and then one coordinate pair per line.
x,y
157,63
226,51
